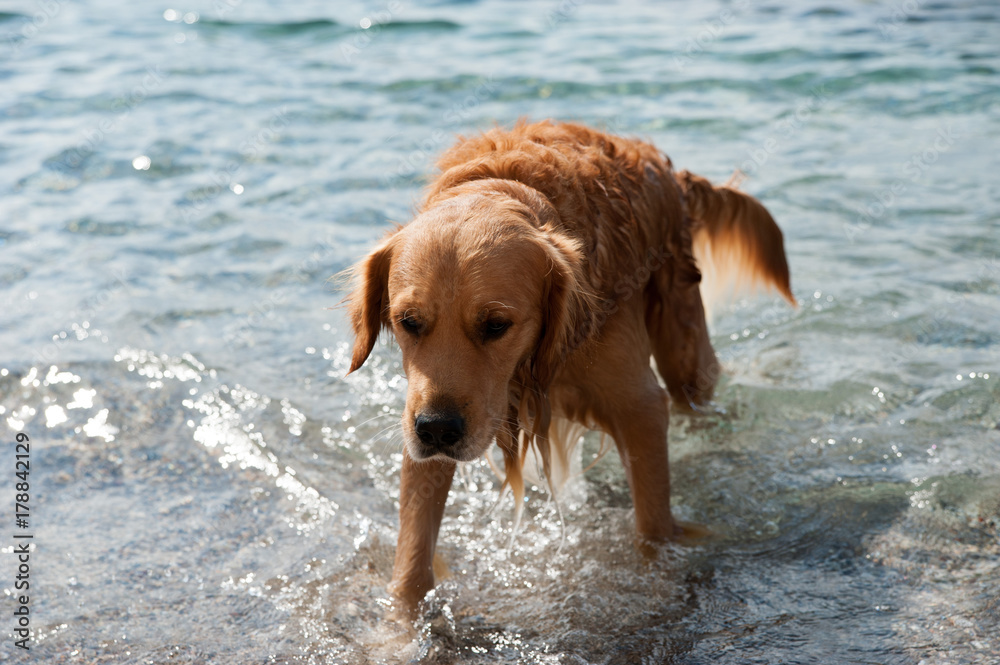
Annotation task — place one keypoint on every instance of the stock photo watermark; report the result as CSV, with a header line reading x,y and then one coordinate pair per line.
x,y
46,12
22,549
225,177
456,115
784,129
95,136
562,12
710,31
882,201
82,319
900,14
265,309
370,27
989,272
222,7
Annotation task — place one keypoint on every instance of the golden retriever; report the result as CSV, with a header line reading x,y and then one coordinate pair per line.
x,y
546,265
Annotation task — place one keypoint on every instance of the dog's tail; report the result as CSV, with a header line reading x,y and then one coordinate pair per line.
x,y
735,241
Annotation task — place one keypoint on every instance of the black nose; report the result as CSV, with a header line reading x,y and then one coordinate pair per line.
x,y
439,429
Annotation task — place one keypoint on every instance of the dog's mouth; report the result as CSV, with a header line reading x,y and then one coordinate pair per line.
x,y
458,453
444,438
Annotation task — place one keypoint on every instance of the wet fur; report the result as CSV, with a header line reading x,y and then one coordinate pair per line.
x,y
588,242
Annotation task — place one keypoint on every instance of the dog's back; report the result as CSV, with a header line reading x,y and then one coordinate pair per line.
x,y
617,196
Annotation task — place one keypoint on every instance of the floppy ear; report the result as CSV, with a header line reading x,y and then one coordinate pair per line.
x,y
563,303
561,306
368,304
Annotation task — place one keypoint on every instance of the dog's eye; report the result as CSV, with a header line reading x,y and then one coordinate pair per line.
x,y
410,325
495,329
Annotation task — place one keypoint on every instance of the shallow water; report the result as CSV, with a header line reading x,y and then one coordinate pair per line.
x,y
177,184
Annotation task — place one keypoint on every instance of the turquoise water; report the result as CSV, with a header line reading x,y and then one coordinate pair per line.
x,y
178,183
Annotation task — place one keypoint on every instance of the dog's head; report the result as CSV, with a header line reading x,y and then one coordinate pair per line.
x,y
477,291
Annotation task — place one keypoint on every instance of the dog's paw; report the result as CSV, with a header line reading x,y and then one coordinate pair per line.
x,y
690,534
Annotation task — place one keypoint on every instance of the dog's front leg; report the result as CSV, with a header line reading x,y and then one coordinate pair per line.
x,y
640,433
423,490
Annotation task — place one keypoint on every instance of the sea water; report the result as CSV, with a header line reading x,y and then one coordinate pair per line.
x,y
179,182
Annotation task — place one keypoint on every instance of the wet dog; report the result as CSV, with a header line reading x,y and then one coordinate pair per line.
x,y
546,265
